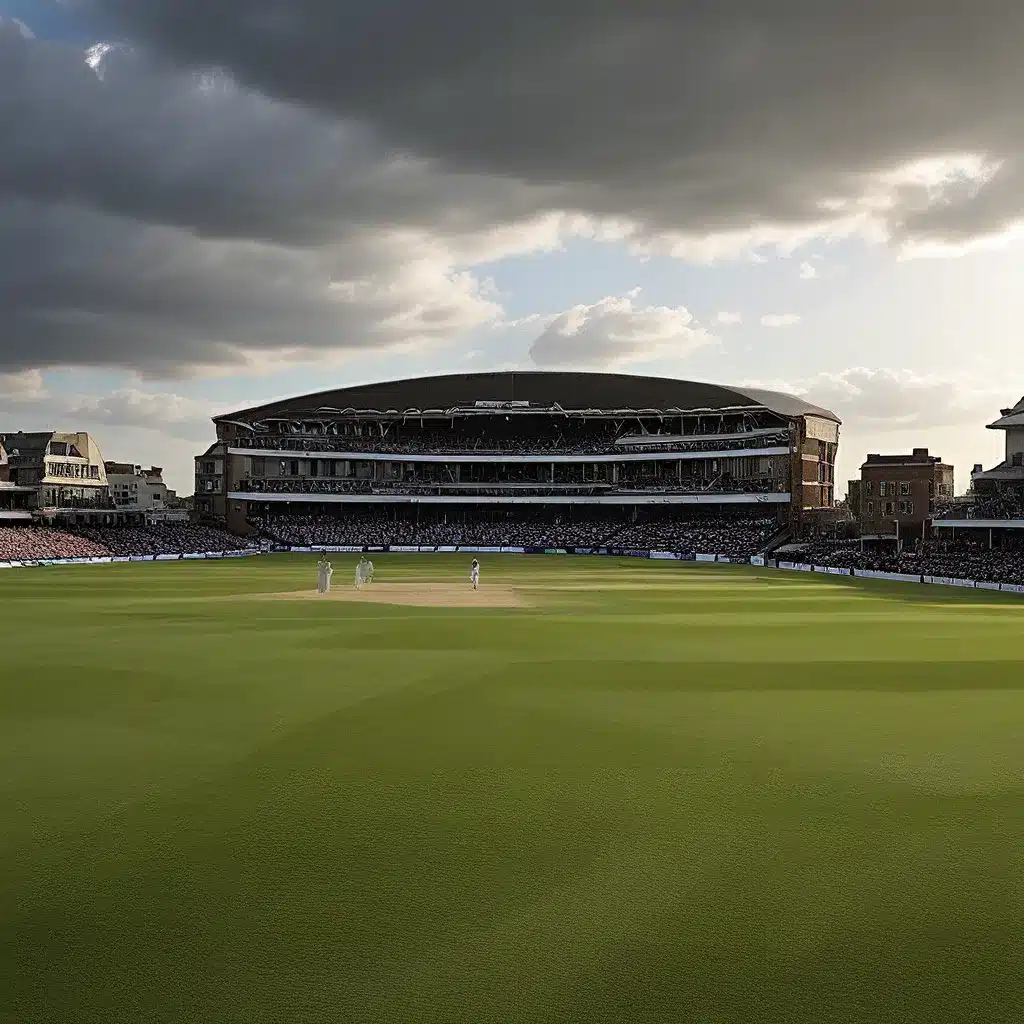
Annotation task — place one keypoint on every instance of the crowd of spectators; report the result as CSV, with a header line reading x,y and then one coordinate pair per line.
x,y
565,531
736,536
31,543
435,442
428,442
630,483
302,485
963,558
378,529
161,539
356,527
1004,504
36,543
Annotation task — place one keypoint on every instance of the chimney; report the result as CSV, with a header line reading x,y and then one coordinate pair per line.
x,y
920,453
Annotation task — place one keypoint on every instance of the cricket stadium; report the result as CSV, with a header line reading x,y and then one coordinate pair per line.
x,y
641,774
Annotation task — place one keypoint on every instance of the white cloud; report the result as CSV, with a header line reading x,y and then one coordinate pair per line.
x,y
613,333
779,319
129,407
741,161
894,410
20,387
808,271
897,399
728,318
530,320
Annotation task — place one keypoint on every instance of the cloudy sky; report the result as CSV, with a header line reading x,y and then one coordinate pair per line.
x,y
206,204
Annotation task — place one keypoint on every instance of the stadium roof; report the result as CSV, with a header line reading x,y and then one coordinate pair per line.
x,y
570,391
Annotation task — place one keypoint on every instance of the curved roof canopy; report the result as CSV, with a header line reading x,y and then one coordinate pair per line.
x,y
569,391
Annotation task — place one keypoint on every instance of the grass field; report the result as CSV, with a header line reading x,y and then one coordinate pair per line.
x,y
657,793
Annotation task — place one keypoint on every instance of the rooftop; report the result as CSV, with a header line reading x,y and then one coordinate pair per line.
x,y
26,444
569,391
1009,417
918,457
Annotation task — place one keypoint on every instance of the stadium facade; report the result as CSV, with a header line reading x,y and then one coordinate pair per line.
x,y
59,475
46,471
520,445
997,493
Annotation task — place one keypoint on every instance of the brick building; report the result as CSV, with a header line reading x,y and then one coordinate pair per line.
x,y
897,493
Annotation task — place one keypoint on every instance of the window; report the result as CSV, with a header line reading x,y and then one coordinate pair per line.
x,y
883,488
889,508
904,488
871,508
869,487
1018,458
910,508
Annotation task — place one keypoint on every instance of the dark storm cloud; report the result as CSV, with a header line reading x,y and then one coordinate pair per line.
x,y
122,135
83,287
246,177
682,113
164,221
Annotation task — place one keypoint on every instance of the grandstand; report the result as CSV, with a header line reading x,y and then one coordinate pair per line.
x,y
536,459
998,493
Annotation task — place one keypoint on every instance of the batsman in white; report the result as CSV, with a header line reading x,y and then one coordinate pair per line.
x,y
360,573
474,574
369,571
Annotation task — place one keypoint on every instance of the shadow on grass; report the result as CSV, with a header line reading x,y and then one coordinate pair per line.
x,y
724,676
910,593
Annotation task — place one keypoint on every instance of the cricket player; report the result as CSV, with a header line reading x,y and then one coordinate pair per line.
x,y
474,574
327,576
369,571
359,574
321,575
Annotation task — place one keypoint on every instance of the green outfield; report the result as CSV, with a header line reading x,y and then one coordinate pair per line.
x,y
654,792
